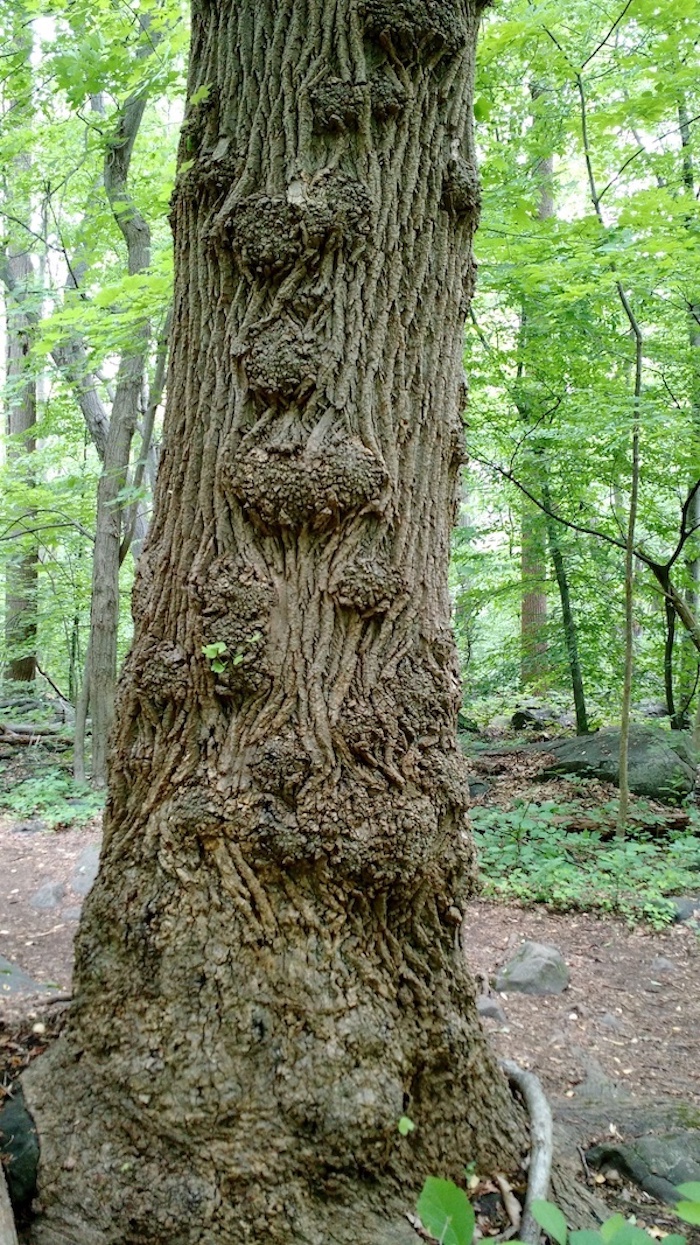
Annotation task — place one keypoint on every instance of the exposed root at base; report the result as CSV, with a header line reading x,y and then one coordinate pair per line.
x,y
541,1145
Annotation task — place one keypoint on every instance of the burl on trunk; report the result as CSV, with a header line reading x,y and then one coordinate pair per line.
x,y
270,968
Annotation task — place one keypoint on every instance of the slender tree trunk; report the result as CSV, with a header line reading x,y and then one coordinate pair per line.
x,y
567,614
533,607
22,568
689,663
101,664
533,559
270,967
636,336
669,644
625,715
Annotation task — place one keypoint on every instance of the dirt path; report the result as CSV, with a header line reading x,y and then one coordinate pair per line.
x,y
631,1013
39,866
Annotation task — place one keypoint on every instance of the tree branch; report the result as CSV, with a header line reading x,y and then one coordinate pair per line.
x,y
611,31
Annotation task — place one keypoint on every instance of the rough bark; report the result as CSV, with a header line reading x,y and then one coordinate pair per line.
x,y
270,967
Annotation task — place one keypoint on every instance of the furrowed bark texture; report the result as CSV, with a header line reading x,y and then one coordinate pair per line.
x,y
270,967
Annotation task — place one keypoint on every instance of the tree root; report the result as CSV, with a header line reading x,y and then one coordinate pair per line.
x,y
541,1145
8,1233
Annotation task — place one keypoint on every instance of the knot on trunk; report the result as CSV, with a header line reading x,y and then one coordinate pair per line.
x,y
280,363
270,234
294,487
387,94
368,584
337,106
281,766
461,191
416,27
236,603
162,671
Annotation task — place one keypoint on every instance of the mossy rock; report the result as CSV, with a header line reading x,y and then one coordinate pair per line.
x,y
662,764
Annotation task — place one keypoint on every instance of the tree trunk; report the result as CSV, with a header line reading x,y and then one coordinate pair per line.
x,y
270,967
688,679
567,614
22,568
533,606
534,666
101,661
626,707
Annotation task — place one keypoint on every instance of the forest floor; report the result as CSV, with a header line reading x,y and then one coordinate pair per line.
x,y
631,1013
623,1039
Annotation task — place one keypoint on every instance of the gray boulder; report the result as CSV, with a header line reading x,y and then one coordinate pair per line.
x,y
48,896
13,980
86,869
490,1009
535,969
686,908
662,763
656,1163
29,827
533,716
19,1146
652,709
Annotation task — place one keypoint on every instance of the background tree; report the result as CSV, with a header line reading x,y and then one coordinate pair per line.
x,y
21,386
633,60
97,318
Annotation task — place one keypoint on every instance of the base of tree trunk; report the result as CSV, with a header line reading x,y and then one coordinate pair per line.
x,y
168,1116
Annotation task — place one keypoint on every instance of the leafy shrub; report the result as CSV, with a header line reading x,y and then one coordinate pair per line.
x,y
447,1214
530,854
54,796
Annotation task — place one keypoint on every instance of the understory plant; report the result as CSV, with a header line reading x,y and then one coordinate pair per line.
x,y
558,854
53,796
448,1216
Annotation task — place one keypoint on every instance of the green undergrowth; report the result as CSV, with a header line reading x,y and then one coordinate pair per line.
x,y
50,795
447,1216
564,855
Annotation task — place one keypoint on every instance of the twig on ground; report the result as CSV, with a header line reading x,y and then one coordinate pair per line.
x,y
584,1164
513,1208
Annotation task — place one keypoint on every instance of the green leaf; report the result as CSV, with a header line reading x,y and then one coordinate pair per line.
x,y
550,1218
446,1211
690,1211
406,1126
585,1237
611,1227
201,93
482,108
212,651
629,1234
690,1190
